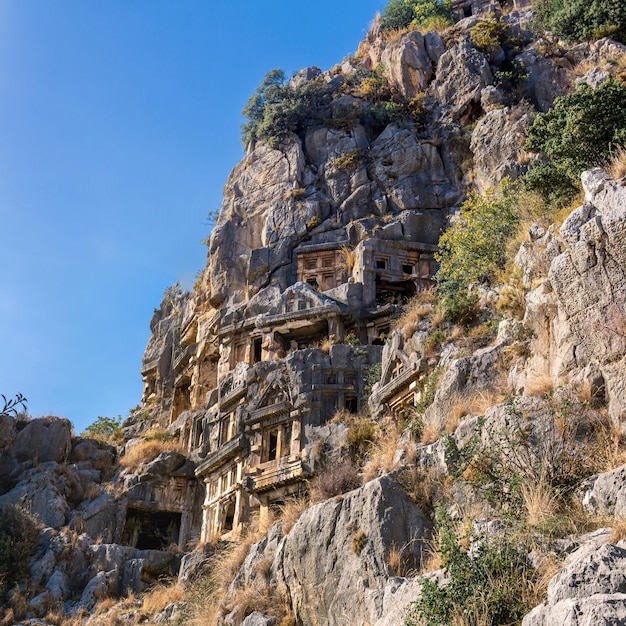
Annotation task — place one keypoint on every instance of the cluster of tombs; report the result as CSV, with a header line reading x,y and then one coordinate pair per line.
x,y
251,392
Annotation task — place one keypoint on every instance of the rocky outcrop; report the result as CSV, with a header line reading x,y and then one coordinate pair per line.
x,y
577,316
591,590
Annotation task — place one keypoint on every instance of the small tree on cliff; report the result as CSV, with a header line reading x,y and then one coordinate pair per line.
x,y
577,133
417,14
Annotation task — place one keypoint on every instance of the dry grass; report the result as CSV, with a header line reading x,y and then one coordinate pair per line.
x,y
617,167
420,307
358,541
425,487
214,597
583,67
539,384
484,399
558,217
540,501
159,596
147,451
325,345
382,453
605,450
537,592
512,300
348,258
333,480
291,511
430,433
619,530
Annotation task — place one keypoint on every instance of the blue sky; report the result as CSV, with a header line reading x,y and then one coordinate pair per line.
x,y
119,123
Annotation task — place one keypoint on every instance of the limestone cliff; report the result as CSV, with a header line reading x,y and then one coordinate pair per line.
x,y
297,371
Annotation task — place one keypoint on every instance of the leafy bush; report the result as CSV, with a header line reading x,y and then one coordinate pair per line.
x,y
415,14
107,429
278,109
488,34
502,466
18,540
488,582
579,20
474,248
576,134
428,389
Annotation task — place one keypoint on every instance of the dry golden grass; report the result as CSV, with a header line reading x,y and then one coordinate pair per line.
x,y
539,384
558,217
291,511
583,67
382,453
401,561
617,167
147,451
159,596
430,433
325,345
484,399
418,308
512,300
619,530
537,591
214,597
348,258
425,487
540,501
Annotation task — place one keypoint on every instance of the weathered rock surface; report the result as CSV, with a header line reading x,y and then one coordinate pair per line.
x,y
591,590
334,560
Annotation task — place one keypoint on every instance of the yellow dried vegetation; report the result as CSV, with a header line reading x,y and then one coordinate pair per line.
x,y
156,442
418,308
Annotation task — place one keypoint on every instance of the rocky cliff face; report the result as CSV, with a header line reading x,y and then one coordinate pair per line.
x,y
269,381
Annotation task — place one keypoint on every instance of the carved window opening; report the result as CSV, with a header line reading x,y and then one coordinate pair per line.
x,y
351,404
258,349
381,264
467,11
383,331
272,445
229,516
276,443
313,282
407,269
198,434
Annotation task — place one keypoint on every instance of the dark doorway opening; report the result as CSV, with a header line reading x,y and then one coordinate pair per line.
x,y
151,530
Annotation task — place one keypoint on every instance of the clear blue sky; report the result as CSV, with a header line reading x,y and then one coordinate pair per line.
x,y
119,123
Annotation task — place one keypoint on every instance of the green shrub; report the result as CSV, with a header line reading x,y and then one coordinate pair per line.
x,y
278,109
577,133
473,249
503,466
399,14
428,388
580,20
488,34
350,160
488,583
18,539
106,429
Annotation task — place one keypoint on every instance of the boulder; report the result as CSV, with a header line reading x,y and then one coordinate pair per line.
x,y
605,494
43,439
590,590
334,560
